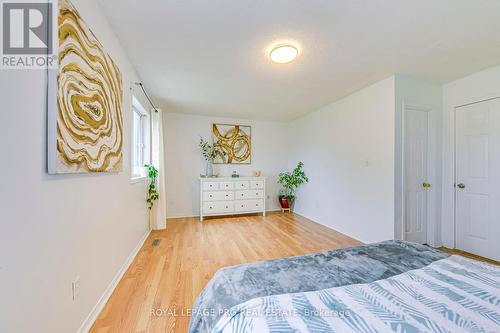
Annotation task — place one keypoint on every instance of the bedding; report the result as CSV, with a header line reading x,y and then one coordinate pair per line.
x,y
235,285
449,295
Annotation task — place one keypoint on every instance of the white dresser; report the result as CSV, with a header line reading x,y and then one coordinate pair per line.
x,y
229,196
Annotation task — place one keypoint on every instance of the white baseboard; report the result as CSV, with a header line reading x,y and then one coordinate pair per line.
x,y
188,216
331,228
181,216
91,318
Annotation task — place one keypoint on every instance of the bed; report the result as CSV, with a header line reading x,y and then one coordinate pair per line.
x,y
389,286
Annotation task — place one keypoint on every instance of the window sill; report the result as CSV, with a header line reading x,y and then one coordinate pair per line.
x,y
139,179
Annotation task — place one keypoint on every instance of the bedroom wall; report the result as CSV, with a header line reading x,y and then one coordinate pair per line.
x,y
184,162
476,87
348,151
56,228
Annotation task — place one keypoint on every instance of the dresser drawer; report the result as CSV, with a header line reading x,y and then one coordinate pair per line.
x,y
256,184
226,185
208,186
249,205
249,194
218,207
242,185
218,195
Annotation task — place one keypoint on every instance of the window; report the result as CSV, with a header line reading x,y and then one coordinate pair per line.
x,y
140,139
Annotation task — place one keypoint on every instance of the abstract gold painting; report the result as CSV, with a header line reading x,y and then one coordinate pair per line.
x,y
85,101
235,141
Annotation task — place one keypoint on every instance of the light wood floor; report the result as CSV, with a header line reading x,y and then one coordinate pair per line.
x,y
469,255
169,276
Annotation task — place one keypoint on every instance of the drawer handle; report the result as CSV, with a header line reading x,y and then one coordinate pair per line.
x,y
211,207
227,206
210,195
242,206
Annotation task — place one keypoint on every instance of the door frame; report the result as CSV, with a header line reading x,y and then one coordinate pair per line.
x,y
431,169
449,202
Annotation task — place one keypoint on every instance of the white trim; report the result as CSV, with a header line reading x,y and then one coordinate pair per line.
x,y
183,216
91,318
330,227
138,106
198,215
144,137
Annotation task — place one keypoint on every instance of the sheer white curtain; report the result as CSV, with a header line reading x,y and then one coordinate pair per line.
x,y
158,214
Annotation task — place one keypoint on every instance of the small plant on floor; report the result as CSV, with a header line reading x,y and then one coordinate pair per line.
x,y
290,182
152,189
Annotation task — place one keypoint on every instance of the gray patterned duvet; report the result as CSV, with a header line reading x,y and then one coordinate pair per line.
x,y
234,285
451,295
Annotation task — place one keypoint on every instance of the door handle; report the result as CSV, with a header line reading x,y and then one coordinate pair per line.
x,y
461,185
426,185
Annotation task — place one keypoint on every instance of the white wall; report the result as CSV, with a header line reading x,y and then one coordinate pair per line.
x,y
55,228
348,151
474,88
184,162
423,95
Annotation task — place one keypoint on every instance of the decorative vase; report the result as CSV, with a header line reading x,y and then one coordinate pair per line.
x,y
209,169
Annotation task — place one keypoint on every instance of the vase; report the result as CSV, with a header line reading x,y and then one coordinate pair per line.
x,y
209,169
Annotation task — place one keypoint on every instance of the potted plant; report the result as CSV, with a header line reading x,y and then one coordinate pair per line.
x,y
152,187
290,182
210,152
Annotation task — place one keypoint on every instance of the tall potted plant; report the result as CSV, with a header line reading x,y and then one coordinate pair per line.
x,y
290,182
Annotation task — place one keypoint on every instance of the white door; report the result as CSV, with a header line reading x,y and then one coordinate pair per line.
x,y
416,185
478,178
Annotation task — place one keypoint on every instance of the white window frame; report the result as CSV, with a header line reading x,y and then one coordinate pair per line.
x,y
142,146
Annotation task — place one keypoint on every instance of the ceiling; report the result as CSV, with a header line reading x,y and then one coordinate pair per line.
x,y
211,57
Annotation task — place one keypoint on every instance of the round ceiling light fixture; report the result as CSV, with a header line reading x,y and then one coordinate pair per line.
x,y
283,54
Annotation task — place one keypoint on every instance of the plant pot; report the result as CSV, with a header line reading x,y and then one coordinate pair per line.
x,y
285,203
209,169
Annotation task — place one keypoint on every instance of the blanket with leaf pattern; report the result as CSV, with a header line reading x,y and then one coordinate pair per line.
x,y
449,295
235,285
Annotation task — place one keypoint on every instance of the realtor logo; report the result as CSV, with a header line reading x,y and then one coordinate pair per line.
x,y
27,34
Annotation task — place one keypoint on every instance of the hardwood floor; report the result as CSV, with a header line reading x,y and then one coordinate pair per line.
x,y
168,277
469,255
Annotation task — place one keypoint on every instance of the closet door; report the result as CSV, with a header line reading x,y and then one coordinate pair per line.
x,y
478,178
416,177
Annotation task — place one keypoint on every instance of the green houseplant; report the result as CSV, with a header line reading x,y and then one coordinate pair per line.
x,y
209,152
290,182
152,187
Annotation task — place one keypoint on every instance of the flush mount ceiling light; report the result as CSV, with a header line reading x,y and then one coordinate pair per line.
x,y
283,54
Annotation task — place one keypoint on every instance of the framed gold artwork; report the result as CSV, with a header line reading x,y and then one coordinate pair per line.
x,y
235,141
85,126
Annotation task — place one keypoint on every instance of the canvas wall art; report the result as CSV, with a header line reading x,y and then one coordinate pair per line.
x,y
235,141
85,101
